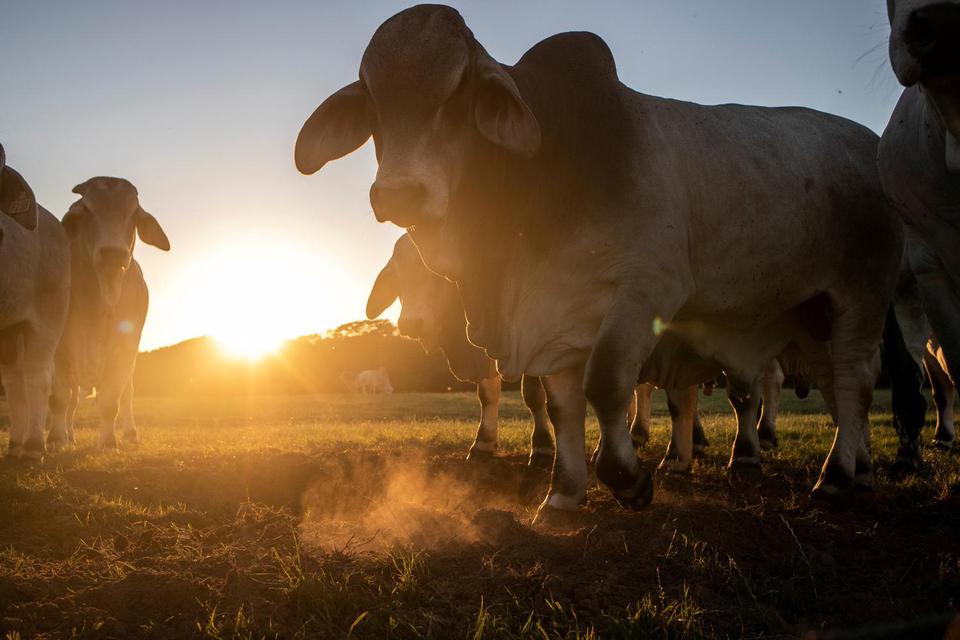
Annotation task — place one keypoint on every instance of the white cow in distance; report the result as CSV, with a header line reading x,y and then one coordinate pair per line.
x,y
368,381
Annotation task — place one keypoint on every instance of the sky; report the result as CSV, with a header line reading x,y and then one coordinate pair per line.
x,y
199,103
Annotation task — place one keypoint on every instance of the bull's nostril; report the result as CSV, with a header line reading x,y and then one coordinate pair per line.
x,y
932,36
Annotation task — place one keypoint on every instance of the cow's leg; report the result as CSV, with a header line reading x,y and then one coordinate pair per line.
x,y
700,442
772,386
71,412
36,385
485,444
855,367
682,404
127,425
944,436
908,404
939,296
744,397
19,418
567,408
59,437
629,332
640,427
541,442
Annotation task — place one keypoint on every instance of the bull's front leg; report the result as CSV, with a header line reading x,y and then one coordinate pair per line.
x,y
943,391
567,408
541,442
772,387
36,386
627,336
485,444
128,427
19,418
640,424
744,397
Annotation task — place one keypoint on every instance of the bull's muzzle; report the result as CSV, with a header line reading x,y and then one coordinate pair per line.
x,y
932,37
399,201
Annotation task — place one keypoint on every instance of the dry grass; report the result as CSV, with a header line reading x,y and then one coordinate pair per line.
x,y
356,516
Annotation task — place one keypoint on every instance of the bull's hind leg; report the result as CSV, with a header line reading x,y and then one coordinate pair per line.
x,y
909,406
485,444
640,427
125,419
854,352
682,404
567,408
744,397
541,442
944,436
16,399
772,386
59,438
36,383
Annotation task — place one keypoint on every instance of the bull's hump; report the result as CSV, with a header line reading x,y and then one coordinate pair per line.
x,y
583,51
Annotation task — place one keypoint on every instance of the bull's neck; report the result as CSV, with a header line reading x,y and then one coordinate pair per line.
x,y
85,297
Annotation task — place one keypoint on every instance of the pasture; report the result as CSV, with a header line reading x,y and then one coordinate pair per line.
x,y
344,515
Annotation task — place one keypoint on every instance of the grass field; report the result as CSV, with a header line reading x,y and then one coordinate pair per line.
x,y
357,516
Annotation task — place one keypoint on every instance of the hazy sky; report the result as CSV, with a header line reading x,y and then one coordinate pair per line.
x,y
199,103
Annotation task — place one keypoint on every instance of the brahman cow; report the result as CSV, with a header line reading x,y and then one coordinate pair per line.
x,y
34,294
585,223
919,155
369,381
108,306
919,162
431,313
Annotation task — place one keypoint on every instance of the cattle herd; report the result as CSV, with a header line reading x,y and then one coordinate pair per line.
x,y
565,229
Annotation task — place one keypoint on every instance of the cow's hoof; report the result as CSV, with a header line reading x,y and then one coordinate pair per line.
x,y
34,450
639,440
767,445
131,438
906,465
699,450
863,481
540,459
674,465
14,451
744,462
832,488
478,454
108,444
57,446
941,443
639,495
558,509
768,438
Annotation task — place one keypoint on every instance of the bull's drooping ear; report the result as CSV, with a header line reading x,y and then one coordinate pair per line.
x,y
150,230
502,116
385,290
74,217
338,126
17,199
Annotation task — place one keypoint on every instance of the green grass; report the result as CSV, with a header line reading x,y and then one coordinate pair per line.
x,y
339,515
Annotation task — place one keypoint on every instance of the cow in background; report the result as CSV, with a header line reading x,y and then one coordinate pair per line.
x,y
108,307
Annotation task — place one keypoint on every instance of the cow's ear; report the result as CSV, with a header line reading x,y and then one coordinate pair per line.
x,y
17,199
150,231
385,290
502,115
73,219
338,126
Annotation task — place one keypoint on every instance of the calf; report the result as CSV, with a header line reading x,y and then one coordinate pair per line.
x,y
431,312
108,306
34,294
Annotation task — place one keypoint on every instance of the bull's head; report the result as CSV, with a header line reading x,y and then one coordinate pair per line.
x,y
429,94
423,295
104,224
925,49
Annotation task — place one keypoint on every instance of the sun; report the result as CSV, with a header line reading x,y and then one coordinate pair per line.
x,y
252,295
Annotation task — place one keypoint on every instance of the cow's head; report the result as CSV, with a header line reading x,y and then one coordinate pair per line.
x,y
429,94
423,295
16,198
925,50
104,224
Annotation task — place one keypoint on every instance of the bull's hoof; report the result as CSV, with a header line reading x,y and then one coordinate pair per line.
x,y
640,439
744,462
131,438
639,495
863,481
768,438
833,487
944,443
34,450
108,443
906,465
540,459
14,451
559,510
477,454
699,450
674,465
